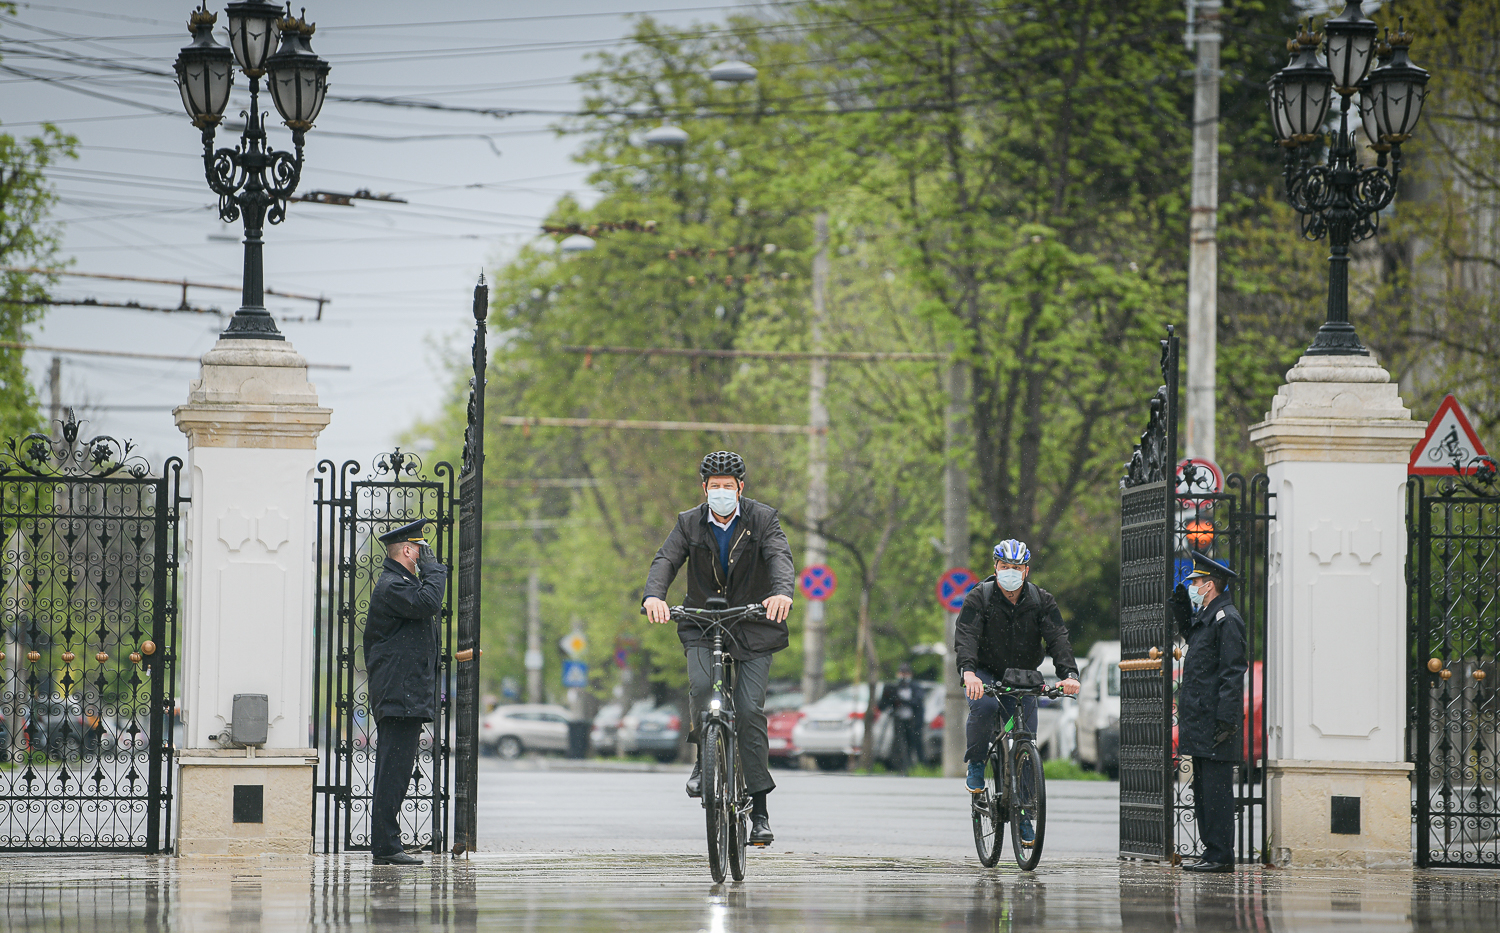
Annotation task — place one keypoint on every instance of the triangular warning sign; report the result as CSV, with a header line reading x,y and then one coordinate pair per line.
x,y
1450,445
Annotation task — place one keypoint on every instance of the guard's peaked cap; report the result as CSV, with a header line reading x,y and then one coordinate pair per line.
x,y
1205,566
412,531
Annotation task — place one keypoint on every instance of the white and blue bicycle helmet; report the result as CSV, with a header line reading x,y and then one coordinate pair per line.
x,y
1012,551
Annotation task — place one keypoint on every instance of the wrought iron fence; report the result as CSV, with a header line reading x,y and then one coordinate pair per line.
x,y
351,514
1453,578
88,596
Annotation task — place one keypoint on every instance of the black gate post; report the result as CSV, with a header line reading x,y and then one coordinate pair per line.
x,y
470,568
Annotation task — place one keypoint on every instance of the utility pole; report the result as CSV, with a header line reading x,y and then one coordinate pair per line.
x,y
817,469
56,386
956,546
1203,259
534,623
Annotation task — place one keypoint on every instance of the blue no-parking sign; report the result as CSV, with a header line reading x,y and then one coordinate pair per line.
x,y
818,582
953,585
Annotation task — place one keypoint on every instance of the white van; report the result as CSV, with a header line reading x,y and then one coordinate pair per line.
x,y
1099,709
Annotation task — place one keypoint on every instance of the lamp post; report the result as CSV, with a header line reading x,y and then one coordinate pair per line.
x,y
253,180
1341,199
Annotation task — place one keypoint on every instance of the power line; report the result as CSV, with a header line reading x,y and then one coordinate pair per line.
x,y
79,351
184,283
854,356
528,422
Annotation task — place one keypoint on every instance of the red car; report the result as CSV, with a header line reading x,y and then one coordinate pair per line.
x,y
783,712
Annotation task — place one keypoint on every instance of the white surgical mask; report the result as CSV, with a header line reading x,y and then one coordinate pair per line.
x,y
1195,595
1009,579
722,501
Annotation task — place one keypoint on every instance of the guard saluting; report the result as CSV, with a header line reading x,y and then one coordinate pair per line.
x,y
401,653
1210,702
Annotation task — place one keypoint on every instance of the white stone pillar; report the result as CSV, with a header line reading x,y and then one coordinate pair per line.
x,y
1336,443
252,421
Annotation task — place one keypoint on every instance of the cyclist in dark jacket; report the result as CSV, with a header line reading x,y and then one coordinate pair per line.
x,y
734,548
1004,623
1210,702
401,654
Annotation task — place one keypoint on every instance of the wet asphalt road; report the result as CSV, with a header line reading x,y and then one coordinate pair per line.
x,y
601,850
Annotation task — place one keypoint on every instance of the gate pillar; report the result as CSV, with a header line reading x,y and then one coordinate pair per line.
x,y
1336,443
252,421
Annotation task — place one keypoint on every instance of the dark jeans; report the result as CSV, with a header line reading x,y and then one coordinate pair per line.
x,y
395,757
982,714
750,678
906,743
1213,803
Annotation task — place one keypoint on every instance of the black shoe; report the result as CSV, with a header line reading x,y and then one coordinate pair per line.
x,y
695,780
1214,867
400,858
760,830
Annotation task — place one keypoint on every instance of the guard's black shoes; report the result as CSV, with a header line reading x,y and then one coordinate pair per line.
x,y
1214,867
695,780
760,830
400,858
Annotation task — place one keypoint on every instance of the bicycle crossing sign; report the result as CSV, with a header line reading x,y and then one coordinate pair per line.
x,y
818,582
953,586
1450,445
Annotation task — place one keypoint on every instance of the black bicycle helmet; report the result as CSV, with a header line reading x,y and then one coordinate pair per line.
x,y
722,463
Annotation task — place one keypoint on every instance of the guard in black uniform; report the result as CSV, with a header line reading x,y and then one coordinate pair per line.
x,y
401,655
1210,702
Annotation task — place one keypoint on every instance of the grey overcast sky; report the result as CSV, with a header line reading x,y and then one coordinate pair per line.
x,y
399,276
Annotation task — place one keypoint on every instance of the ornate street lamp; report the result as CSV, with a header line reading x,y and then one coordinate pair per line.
x,y
252,181
1341,199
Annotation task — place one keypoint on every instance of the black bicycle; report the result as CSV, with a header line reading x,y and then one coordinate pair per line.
x,y
1015,788
726,804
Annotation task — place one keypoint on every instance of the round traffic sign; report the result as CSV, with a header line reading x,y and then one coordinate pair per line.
x,y
1197,476
953,586
818,582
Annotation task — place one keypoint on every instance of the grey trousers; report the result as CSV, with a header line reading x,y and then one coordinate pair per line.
x,y
750,678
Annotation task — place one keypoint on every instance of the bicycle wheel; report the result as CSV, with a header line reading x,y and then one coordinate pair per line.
x,y
717,801
739,830
1028,803
989,818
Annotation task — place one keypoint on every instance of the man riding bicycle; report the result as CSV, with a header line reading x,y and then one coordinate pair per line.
x,y
735,550
1003,624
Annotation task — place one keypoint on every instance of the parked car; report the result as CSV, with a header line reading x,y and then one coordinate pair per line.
x,y
832,728
512,730
62,728
783,712
1099,709
604,736
654,730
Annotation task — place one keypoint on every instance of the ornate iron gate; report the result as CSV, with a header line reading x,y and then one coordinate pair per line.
x,y
88,628
1453,579
351,513
470,561
1158,526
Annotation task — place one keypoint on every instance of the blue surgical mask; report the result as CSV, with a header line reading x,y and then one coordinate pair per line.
x,y
722,501
1009,579
1194,595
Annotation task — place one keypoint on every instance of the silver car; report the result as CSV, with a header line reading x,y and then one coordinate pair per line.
x,y
512,730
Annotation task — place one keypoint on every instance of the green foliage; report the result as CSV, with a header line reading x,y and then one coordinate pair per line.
x,y
27,240
1065,769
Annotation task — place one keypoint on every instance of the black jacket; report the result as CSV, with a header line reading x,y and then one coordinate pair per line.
x,y
760,566
995,634
402,640
1213,682
891,699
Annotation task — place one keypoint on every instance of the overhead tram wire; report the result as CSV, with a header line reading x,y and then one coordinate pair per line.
x,y
124,354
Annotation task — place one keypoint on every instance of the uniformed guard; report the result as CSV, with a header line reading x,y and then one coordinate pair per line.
x,y
1210,702
401,654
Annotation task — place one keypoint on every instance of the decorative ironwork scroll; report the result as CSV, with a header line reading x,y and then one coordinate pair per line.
x,y
88,634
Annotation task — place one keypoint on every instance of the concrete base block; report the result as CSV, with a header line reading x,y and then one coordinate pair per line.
x,y
276,786
1373,813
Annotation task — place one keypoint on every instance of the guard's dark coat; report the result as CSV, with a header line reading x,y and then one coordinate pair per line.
x,y
402,639
760,566
1213,682
993,634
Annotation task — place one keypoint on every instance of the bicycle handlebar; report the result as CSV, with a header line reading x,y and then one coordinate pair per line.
x,y
715,615
998,690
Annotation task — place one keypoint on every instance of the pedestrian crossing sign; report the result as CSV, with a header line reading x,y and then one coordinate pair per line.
x,y
1450,445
